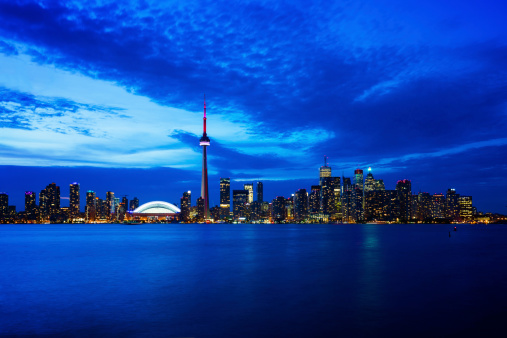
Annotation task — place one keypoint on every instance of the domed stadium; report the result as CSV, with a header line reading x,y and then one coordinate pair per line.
x,y
156,210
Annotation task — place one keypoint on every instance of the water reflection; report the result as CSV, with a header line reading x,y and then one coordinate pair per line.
x,y
371,283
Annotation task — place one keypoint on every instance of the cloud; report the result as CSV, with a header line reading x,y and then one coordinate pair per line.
x,y
7,48
25,111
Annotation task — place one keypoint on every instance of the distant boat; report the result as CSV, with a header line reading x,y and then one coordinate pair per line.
x,y
455,229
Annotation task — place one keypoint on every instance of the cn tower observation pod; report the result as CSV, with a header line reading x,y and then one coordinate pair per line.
x,y
157,207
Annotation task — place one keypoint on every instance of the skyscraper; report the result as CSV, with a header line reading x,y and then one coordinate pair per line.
x,y
49,200
452,205
379,185
278,206
324,171
29,202
347,211
404,193
369,182
204,142
358,178
200,209
74,199
260,192
423,206
239,199
134,203
110,202
300,205
225,197
124,204
438,206
90,208
465,208
43,203
4,203
337,207
315,199
358,195
185,203
249,187
327,195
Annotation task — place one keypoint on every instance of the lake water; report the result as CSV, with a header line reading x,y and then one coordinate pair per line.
x,y
195,280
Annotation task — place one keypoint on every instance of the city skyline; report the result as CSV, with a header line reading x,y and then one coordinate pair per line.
x,y
366,200
415,91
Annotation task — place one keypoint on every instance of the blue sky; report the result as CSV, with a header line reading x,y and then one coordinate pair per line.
x,y
109,94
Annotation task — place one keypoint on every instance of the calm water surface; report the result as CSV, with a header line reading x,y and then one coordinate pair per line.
x,y
253,280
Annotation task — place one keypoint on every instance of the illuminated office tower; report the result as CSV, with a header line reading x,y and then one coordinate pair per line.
x,y
358,196
249,187
300,205
325,171
116,207
239,201
29,202
53,199
465,208
134,203
260,192
327,195
289,208
357,200
278,206
185,203
4,203
124,205
391,205
110,203
347,185
358,178
74,199
347,214
369,182
200,209
452,205
43,204
374,205
423,206
379,185
225,197
90,208
255,211
414,206
372,201
204,142
437,206
314,200
337,207
100,208
404,194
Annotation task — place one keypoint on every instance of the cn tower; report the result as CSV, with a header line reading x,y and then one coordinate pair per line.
x,y
204,142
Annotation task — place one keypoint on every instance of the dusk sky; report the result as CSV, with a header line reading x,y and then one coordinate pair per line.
x,y
110,94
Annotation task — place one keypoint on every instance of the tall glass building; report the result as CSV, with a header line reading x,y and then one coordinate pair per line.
x,y
260,192
74,199
225,197
249,187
